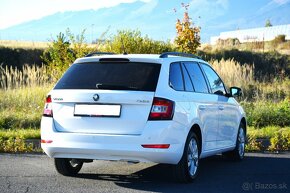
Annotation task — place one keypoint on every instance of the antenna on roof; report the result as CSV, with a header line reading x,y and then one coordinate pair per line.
x,y
123,47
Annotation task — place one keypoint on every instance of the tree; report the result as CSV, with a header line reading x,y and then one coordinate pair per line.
x,y
268,23
63,51
188,35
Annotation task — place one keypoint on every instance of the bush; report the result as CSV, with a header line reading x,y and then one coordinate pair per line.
x,y
17,57
63,51
279,39
230,42
253,144
17,140
285,46
271,138
281,140
15,145
265,113
132,42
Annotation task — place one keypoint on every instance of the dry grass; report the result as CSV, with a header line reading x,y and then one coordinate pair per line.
x,y
282,47
233,73
34,45
23,44
29,76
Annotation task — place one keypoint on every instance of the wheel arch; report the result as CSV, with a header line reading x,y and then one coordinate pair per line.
x,y
196,129
244,122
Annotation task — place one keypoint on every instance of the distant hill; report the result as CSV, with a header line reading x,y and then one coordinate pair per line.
x,y
156,19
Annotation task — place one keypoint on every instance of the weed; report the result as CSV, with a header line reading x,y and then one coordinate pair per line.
x,y
14,145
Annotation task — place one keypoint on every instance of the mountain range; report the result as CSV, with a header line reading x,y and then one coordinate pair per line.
x,y
155,18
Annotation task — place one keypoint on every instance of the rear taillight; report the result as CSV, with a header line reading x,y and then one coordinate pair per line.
x,y
45,141
162,109
156,146
47,112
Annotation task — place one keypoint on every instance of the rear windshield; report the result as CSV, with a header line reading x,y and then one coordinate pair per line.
x,y
111,76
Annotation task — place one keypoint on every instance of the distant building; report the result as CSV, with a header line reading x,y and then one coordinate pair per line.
x,y
254,34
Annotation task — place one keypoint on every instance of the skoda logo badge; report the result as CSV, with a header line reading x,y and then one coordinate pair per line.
x,y
96,97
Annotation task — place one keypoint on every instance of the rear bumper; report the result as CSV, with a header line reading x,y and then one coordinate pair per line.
x,y
117,147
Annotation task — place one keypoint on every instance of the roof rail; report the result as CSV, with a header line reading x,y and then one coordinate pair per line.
x,y
99,53
166,54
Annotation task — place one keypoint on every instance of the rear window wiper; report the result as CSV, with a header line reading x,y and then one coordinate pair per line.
x,y
115,87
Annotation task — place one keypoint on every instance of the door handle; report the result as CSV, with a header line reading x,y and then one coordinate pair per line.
x,y
221,108
202,107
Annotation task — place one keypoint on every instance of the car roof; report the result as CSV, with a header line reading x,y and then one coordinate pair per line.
x,y
150,58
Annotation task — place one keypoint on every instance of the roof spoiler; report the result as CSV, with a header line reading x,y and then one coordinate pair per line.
x,y
99,53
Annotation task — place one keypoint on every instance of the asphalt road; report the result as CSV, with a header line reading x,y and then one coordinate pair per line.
x,y
256,173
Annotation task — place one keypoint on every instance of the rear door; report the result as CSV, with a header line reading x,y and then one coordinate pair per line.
x,y
205,103
105,97
228,112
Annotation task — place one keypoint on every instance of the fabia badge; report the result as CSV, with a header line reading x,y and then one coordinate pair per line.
x,y
96,97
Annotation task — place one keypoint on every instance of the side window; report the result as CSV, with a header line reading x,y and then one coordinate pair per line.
x,y
175,77
196,76
216,84
187,81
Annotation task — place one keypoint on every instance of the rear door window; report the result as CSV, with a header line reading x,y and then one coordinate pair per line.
x,y
187,81
175,77
111,76
196,76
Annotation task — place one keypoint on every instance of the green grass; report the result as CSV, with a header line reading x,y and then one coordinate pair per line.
x,y
15,141
266,132
24,99
20,133
267,106
266,113
275,139
22,108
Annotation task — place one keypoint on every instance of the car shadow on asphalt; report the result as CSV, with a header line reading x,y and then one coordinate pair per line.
x,y
216,174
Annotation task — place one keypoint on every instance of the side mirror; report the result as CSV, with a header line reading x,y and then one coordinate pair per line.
x,y
236,91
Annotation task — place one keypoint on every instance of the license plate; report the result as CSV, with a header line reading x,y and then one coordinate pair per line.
x,y
92,110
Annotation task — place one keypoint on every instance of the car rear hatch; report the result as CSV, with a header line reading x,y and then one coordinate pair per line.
x,y
111,97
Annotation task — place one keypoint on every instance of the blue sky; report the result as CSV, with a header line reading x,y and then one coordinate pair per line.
x,y
14,12
231,11
213,16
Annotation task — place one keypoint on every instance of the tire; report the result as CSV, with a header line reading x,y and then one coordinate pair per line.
x,y
187,168
67,167
238,153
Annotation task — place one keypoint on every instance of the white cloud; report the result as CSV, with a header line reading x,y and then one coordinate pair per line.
x,y
207,10
14,12
281,2
272,5
145,9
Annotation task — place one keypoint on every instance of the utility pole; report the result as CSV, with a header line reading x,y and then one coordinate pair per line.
x,y
92,33
263,43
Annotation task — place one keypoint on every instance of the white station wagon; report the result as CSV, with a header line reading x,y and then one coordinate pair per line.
x,y
171,108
